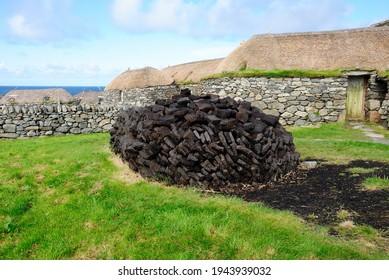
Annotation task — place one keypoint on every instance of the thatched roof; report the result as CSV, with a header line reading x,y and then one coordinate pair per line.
x,y
140,78
193,71
380,24
353,48
37,96
89,97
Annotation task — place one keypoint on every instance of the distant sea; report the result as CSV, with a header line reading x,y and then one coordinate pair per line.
x,y
73,90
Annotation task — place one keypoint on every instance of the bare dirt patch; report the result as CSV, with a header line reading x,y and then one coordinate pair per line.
x,y
124,173
324,192
39,177
96,188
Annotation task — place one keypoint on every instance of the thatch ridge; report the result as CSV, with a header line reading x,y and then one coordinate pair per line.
x,y
89,97
381,23
37,96
193,71
140,78
320,50
319,33
350,48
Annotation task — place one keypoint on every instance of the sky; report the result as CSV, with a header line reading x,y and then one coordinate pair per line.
x,y
90,42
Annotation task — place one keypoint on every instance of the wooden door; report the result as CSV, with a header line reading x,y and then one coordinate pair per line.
x,y
355,102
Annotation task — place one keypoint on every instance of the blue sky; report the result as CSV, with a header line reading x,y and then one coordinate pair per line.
x,y
89,42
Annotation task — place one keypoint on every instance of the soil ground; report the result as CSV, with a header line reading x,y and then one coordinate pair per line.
x,y
319,194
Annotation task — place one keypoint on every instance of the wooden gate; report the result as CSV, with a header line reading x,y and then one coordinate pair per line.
x,y
355,102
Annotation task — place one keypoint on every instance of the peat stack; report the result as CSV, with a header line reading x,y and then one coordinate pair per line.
x,y
204,140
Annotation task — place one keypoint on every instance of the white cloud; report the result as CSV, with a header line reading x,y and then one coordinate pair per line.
x,y
54,69
157,15
44,20
57,74
304,15
73,70
228,17
91,69
123,10
7,71
22,27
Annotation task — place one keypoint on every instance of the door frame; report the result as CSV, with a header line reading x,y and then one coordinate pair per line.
x,y
364,76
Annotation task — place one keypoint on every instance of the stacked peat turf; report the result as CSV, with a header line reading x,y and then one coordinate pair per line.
x,y
204,140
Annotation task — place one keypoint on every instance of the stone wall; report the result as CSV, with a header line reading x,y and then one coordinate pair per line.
x,y
28,120
383,110
297,101
139,96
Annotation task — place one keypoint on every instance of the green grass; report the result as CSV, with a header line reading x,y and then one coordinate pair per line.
x,y
342,152
343,214
365,234
360,170
330,131
277,73
285,73
61,198
337,143
357,171
187,82
376,183
383,74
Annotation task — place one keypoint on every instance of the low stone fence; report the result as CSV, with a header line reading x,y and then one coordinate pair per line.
x,y
297,101
139,96
22,121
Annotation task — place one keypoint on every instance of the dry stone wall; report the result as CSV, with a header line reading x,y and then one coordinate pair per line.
x,y
384,112
28,120
377,100
139,96
297,101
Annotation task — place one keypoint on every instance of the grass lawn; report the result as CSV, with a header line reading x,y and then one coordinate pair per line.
x,y
338,143
64,198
